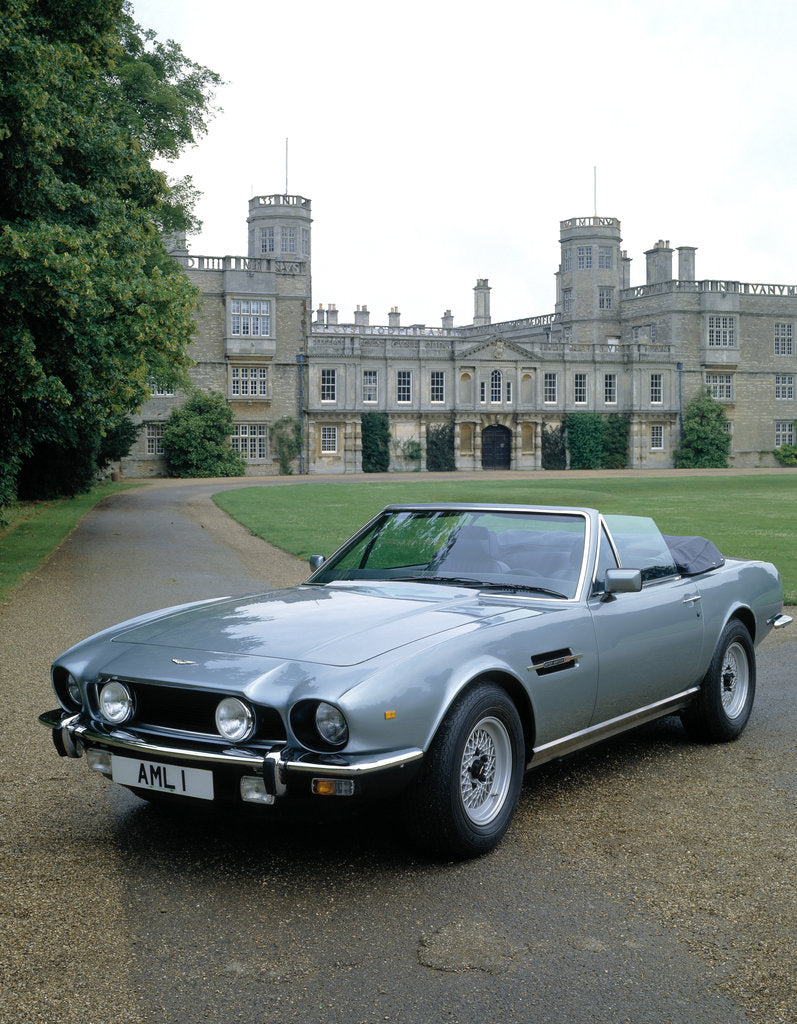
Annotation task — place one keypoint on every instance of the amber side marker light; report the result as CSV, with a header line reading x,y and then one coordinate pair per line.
x,y
332,787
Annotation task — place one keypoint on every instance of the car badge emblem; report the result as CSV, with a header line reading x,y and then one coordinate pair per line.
x,y
179,661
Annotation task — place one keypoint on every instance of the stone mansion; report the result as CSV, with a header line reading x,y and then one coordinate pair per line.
x,y
608,346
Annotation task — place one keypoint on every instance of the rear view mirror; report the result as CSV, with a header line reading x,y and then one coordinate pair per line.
x,y
623,581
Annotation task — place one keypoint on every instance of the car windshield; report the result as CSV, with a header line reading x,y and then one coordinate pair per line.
x,y
539,552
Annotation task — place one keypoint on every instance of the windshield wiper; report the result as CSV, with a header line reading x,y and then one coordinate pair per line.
x,y
460,581
523,586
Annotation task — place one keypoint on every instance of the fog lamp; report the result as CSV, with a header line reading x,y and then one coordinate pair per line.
x,y
100,761
253,790
116,702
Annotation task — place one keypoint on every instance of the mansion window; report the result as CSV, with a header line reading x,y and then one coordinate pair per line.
x,y
251,318
784,432
550,391
329,440
496,386
155,438
720,385
266,240
158,390
784,342
288,240
610,388
604,257
584,257
722,332
643,334
605,298
656,389
370,385
250,440
580,388
482,391
437,388
403,385
567,300
329,385
657,437
249,382
784,386
305,241
567,260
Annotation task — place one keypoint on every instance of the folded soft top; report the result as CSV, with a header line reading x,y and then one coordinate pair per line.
x,y
693,555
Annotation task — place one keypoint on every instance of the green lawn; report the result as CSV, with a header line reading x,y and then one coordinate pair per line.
x,y
35,528
745,516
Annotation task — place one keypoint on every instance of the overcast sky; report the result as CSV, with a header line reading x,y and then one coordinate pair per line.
x,y
441,142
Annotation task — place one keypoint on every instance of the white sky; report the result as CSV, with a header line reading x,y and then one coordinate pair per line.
x,y
441,141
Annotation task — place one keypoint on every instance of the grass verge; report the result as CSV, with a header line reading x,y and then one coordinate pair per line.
x,y
35,528
745,516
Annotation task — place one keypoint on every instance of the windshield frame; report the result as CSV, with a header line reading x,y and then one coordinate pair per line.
x,y
578,522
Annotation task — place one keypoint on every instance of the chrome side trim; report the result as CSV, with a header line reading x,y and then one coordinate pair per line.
x,y
779,621
602,731
356,768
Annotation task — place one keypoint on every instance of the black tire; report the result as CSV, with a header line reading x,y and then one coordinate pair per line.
x,y
464,798
722,708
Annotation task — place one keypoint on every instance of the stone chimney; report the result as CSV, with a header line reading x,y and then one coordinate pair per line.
x,y
361,316
320,315
481,303
659,263
394,317
332,315
686,262
448,320
625,264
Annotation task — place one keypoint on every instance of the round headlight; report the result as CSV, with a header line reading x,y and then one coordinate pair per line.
x,y
331,725
116,702
73,690
234,719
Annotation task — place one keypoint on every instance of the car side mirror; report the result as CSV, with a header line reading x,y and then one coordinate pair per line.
x,y
316,561
623,581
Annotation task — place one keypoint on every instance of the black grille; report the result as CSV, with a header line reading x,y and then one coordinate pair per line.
x,y
168,707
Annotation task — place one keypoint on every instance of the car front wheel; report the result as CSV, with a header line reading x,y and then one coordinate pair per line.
x,y
725,701
464,799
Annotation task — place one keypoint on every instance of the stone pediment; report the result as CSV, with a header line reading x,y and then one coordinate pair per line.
x,y
494,350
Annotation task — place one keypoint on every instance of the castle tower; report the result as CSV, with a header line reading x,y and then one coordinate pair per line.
x,y
591,274
279,227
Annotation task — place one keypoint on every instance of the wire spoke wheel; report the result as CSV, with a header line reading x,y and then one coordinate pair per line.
x,y
485,773
735,676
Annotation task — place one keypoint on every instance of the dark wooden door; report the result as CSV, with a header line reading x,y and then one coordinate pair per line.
x,y
496,448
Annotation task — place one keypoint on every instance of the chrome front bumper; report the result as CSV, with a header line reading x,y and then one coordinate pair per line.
x,y
72,735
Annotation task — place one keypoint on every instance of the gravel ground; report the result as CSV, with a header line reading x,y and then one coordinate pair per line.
x,y
696,842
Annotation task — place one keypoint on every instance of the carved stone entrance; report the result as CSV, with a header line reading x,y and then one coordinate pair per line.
x,y
496,448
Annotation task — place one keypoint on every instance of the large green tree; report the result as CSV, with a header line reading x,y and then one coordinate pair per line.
x,y
91,305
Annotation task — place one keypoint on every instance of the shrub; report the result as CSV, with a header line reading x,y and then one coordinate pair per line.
x,y
554,451
63,469
440,448
585,440
375,428
705,442
196,438
286,440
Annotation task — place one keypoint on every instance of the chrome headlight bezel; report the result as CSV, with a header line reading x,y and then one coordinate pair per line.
x,y
116,702
235,720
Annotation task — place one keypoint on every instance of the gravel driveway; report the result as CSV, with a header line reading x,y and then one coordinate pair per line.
x,y
648,880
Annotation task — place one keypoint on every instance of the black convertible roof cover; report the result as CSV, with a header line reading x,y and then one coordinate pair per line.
x,y
693,555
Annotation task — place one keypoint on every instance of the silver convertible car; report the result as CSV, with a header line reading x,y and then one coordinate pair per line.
x,y
433,659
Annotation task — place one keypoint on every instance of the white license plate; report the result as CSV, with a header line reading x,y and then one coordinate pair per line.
x,y
165,778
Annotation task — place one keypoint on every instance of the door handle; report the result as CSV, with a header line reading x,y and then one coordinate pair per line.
x,y
691,600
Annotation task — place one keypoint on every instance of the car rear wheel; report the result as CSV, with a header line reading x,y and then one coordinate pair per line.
x,y
726,696
466,794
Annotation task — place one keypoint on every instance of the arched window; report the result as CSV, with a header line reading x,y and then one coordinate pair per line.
x,y
496,385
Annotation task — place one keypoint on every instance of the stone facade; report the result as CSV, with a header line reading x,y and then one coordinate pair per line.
x,y
643,352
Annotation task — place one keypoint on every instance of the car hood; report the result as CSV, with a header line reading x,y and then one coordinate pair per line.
x,y
337,624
